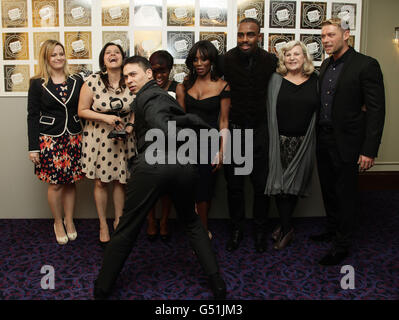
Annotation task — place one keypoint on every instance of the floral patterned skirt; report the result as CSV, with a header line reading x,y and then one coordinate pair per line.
x,y
288,148
60,159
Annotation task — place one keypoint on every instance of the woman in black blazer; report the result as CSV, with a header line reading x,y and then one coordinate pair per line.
x,y
54,131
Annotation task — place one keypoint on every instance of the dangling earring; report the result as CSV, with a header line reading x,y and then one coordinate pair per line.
x,y
211,67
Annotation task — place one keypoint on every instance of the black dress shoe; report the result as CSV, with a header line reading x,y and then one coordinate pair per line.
x,y
99,294
234,240
333,258
103,244
260,243
152,237
218,286
323,237
165,237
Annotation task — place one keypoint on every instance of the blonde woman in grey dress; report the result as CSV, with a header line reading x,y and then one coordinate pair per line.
x,y
105,160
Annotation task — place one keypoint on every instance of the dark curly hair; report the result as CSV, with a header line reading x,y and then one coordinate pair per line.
x,y
208,52
103,74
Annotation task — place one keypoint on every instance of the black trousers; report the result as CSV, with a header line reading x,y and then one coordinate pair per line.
x,y
146,185
258,177
339,186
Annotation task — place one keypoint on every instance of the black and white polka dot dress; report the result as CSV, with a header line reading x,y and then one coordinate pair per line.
x,y
103,158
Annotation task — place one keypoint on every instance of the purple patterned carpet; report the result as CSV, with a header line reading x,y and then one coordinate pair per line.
x,y
159,271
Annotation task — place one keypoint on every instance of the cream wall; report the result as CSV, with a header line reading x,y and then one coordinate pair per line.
x,y
378,26
22,195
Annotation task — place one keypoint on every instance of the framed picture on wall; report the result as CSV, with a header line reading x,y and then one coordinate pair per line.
x,y
118,37
148,13
179,43
77,13
346,12
78,45
278,40
147,42
218,39
314,45
14,13
213,13
115,12
282,14
16,78
251,9
181,12
45,13
16,46
179,71
313,14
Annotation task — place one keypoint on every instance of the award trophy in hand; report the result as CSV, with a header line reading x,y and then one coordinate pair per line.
x,y
116,106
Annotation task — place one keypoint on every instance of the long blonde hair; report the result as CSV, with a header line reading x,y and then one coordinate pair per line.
x,y
308,66
44,69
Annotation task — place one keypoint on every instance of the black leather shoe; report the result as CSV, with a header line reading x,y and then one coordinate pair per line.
x,y
218,286
260,243
323,237
333,258
234,241
165,237
99,294
103,244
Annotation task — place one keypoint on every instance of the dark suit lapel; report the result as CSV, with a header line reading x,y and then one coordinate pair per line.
x,y
345,68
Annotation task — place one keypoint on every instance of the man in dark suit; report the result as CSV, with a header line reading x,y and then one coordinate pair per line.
x,y
350,127
247,68
153,108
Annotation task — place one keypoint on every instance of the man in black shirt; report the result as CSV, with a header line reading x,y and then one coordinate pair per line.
x,y
350,128
247,68
153,108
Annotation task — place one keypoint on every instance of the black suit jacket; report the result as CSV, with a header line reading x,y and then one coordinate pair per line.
x,y
248,88
358,132
48,114
153,107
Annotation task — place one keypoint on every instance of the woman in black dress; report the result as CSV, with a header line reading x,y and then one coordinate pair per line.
x,y
54,131
291,105
208,96
161,65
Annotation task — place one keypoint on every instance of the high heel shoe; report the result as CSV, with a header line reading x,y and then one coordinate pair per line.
x,y
284,241
73,235
152,225
61,240
165,236
276,233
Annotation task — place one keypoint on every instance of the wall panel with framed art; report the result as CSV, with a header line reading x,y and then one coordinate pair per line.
x,y
144,26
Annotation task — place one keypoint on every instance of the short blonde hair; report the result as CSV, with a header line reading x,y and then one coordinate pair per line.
x,y
342,24
44,69
308,67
